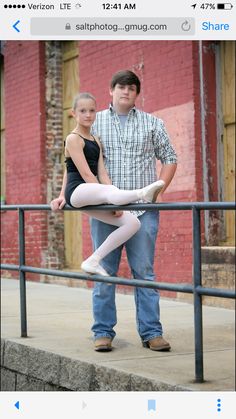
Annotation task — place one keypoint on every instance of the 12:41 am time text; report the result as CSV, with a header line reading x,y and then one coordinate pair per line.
x,y
119,6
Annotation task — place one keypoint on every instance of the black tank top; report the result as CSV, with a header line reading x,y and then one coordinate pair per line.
x,y
91,151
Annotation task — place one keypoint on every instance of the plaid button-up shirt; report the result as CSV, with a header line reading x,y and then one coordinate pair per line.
x,y
130,154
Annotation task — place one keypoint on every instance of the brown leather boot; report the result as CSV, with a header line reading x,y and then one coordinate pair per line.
x,y
103,344
157,344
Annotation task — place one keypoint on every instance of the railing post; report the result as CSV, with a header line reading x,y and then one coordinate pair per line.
x,y
21,231
197,280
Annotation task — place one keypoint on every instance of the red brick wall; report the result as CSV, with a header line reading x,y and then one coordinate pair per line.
x,y
164,67
169,72
25,147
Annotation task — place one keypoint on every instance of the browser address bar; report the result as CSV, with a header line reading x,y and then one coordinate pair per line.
x,y
87,26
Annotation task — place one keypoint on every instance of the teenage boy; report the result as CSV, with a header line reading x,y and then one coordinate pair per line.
x,y
132,141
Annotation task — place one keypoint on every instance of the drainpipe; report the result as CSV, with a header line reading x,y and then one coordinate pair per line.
x,y
203,142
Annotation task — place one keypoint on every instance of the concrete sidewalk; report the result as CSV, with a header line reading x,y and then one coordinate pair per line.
x,y
59,322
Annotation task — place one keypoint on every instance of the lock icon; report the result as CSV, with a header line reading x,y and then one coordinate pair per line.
x,y
67,27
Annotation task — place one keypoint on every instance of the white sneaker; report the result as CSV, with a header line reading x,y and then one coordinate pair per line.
x,y
91,266
150,192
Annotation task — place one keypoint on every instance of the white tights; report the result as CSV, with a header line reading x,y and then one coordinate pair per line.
x,y
96,194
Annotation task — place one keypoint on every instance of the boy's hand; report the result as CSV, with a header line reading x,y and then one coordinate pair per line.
x,y
159,199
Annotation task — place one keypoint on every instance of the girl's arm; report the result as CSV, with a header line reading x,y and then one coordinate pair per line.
x,y
59,203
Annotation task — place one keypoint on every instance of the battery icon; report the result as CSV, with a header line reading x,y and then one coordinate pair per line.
x,y
224,6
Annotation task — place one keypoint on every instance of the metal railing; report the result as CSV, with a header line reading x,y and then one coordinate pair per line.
x,y
196,288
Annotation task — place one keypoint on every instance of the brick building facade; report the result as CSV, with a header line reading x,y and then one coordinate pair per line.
x,y
181,83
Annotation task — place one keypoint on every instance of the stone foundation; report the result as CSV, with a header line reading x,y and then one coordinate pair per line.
x,y
24,368
218,271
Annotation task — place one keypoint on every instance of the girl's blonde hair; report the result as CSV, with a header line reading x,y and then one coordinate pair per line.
x,y
84,95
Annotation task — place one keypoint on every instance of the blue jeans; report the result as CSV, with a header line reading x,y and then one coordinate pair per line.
x,y
140,251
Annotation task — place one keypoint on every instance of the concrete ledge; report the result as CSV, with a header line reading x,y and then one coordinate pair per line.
x,y
58,354
13,381
24,368
8,380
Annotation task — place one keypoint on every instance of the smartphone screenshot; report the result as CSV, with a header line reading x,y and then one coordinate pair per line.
x,y
117,209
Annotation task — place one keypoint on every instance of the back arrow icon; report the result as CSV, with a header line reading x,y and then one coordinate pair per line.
x,y
17,405
15,26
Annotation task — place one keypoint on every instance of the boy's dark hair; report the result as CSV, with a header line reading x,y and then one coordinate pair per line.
x,y
124,77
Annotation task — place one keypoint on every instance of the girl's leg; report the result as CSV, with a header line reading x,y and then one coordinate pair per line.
x,y
96,194
128,224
